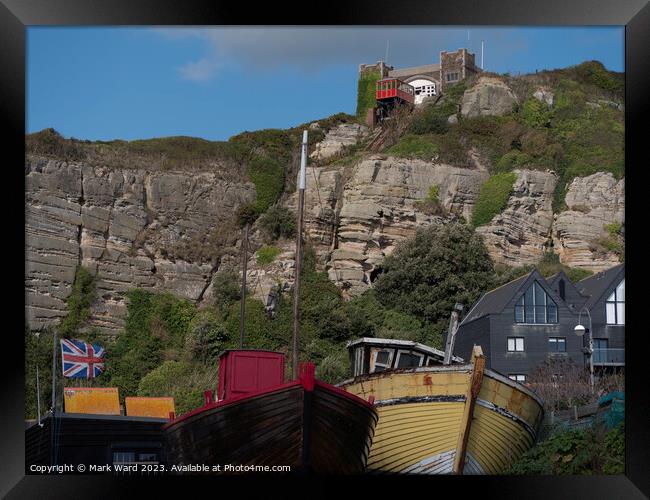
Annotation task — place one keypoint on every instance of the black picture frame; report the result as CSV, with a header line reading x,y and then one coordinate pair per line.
x,y
16,15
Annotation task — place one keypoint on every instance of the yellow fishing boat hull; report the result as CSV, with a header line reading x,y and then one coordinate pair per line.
x,y
430,422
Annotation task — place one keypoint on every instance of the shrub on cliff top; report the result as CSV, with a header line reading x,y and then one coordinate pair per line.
x,y
493,197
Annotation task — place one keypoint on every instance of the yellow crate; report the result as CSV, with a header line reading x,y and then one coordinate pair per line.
x,y
149,407
93,400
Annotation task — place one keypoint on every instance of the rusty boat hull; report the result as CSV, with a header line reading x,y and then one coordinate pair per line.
x,y
455,419
320,429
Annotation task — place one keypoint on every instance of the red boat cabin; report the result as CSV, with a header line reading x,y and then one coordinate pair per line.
x,y
245,371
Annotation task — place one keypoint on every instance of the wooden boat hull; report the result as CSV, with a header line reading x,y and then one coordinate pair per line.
x,y
324,430
424,412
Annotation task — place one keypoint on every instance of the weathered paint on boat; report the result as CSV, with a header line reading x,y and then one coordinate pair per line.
x,y
421,420
306,424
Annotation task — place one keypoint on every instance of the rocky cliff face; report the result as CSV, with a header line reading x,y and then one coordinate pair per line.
x,y
521,233
137,228
336,139
593,203
379,207
172,230
132,228
489,96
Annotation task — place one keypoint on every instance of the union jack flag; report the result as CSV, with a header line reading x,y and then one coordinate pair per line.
x,y
81,359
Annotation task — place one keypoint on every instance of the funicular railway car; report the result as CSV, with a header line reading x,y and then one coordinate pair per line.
x,y
390,93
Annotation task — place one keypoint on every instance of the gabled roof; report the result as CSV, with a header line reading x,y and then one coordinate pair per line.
x,y
552,281
595,286
495,300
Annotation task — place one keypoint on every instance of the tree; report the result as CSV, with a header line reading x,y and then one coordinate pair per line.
x,y
426,275
561,384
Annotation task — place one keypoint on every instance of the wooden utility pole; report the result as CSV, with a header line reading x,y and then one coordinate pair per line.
x,y
242,300
296,286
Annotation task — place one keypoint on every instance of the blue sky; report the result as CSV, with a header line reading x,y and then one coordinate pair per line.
x,y
137,83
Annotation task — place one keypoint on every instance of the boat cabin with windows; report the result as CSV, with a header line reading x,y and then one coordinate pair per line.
x,y
369,355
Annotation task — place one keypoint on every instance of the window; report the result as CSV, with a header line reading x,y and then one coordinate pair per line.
x,y
515,344
601,347
615,305
517,377
408,359
452,77
382,360
358,361
123,456
557,344
562,288
535,306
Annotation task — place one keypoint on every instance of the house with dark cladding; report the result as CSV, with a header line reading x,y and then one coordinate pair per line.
x,y
531,319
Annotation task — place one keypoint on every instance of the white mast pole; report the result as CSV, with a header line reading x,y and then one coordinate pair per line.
x,y
482,54
296,286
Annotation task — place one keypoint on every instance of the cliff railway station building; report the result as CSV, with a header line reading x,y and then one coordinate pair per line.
x,y
417,84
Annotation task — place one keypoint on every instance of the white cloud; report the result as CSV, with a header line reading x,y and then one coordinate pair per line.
x,y
199,71
310,49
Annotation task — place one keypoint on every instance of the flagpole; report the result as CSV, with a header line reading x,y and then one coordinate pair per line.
x,y
38,398
54,374
53,420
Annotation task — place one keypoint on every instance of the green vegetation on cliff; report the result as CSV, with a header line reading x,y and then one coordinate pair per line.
x,y
493,197
366,92
581,133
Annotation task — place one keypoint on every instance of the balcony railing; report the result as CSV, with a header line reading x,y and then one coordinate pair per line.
x,y
604,357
